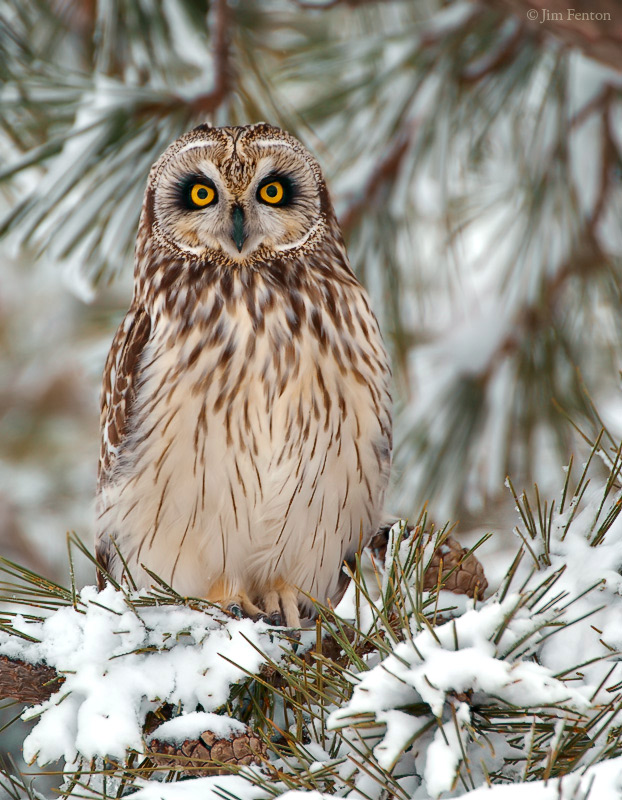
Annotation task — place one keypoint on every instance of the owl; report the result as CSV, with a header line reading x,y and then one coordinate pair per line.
x,y
246,409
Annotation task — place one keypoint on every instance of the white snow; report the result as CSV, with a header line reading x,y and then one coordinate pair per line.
x,y
485,654
231,787
442,759
120,661
192,725
430,667
601,782
413,712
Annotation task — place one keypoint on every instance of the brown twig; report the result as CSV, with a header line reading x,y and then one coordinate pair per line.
x,y
310,6
207,103
223,68
609,159
386,172
501,59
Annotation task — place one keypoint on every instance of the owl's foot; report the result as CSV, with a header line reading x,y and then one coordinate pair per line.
x,y
281,604
236,610
238,604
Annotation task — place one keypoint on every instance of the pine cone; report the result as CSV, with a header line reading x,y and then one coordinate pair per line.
x,y
468,577
28,683
205,755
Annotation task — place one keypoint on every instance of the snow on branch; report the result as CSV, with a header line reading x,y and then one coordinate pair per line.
x,y
412,690
121,659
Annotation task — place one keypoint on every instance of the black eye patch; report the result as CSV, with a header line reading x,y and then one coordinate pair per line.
x,y
196,191
275,190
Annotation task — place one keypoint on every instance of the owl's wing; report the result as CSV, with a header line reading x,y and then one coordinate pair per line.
x,y
119,387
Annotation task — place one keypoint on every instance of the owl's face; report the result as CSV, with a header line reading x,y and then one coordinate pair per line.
x,y
236,194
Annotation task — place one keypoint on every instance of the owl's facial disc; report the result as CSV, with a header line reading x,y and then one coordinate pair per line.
x,y
238,200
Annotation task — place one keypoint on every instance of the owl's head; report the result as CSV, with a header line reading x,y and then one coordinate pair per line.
x,y
236,195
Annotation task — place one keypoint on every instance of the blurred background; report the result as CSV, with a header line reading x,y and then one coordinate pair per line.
x,y
474,153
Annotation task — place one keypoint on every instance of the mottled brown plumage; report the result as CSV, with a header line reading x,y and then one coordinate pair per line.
x,y
246,427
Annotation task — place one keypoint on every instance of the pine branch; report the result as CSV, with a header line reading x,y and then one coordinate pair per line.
x,y
223,68
386,172
451,568
209,754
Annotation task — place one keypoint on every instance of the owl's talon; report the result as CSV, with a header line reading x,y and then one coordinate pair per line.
x,y
235,610
281,604
261,617
275,618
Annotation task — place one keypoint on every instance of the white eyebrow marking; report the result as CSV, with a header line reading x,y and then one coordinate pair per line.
x,y
194,145
275,143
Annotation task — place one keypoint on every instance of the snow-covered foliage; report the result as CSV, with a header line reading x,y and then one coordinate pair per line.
x,y
407,692
193,724
121,659
438,666
602,781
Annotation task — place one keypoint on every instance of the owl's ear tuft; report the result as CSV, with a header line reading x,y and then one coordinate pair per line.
x,y
204,127
265,129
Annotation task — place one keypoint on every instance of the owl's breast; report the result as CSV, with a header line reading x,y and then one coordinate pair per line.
x,y
255,446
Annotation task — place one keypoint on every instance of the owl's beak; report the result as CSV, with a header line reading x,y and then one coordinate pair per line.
x,y
237,233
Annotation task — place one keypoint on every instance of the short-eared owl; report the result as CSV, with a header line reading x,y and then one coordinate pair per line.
x,y
246,424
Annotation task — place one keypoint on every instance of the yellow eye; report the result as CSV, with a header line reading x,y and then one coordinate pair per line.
x,y
272,193
202,195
